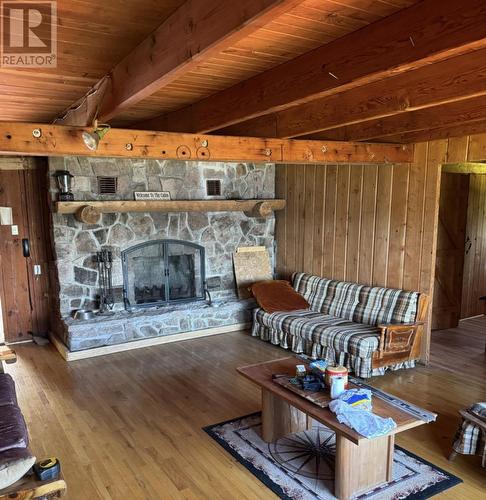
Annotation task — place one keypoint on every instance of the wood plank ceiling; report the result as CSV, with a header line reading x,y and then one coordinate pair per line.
x,y
406,70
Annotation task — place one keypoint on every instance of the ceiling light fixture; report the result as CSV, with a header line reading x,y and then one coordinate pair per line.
x,y
92,139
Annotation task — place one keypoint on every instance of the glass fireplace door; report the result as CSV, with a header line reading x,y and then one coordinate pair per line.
x,y
185,273
162,271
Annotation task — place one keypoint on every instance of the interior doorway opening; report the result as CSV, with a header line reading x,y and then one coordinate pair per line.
x,y
460,271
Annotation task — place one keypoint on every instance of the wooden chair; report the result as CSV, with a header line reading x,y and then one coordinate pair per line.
x,y
471,435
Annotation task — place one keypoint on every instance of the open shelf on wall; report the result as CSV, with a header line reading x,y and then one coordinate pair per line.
x,y
89,212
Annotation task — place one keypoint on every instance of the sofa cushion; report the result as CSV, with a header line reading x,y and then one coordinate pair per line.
x,y
338,333
14,464
378,305
13,431
277,295
7,390
357,303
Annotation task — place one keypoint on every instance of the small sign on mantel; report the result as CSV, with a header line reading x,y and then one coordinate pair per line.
x,y
152,195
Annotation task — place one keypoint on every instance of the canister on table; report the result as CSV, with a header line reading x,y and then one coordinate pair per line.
x,y
336,371
337,386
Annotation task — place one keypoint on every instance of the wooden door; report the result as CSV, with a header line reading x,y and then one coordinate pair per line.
x,y
474,282
446,309
25,293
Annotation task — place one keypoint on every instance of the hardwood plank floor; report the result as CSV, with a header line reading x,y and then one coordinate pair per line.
x,y
128,425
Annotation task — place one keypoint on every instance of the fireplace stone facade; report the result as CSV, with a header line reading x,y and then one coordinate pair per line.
x,y
220,233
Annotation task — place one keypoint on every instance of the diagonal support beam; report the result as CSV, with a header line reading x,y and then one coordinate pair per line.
x,y
427,32
34,139
197,30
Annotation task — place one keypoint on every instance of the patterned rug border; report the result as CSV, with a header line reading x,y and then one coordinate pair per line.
x,y
450,482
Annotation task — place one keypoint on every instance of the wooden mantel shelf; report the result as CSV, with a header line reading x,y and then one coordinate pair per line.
x,y
89,212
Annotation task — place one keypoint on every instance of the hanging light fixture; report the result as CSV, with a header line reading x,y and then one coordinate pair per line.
x,y
92,139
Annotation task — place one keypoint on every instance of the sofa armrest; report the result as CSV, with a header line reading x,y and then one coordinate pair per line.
x,y
7,355
397,339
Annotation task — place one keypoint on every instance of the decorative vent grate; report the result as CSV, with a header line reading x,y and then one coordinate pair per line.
x,y
213,187
107,185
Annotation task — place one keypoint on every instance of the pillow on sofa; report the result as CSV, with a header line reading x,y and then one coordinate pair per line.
x,y
277,295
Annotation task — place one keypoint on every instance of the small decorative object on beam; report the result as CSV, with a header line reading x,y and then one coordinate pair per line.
x,y
59,140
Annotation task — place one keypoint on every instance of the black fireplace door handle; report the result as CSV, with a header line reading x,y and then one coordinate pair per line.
x,y
26,247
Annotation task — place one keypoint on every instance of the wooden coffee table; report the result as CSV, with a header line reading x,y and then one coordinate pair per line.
x,y
361,463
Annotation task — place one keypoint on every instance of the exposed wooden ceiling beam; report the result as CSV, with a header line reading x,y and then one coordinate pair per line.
x,y
456,113
447,81
60,140
197,30
461,130
429,31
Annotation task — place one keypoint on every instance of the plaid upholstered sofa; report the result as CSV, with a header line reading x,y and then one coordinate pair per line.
x,y
367,329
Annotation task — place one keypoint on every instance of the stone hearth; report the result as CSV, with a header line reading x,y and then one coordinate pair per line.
x,y
124,326
220,233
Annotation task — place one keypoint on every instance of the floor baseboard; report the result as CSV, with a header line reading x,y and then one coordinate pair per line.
x,y
138,344
472,317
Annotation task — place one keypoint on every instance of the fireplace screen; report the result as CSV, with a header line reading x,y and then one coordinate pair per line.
x,y
162,271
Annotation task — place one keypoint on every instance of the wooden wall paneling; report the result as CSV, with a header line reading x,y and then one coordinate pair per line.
x,y
457,148
415,208
398,225
309,198
331,193
477,147
382,226
367,224
291,220
300,214
354,223
319,217
374,224
280,218
435,158
341,224
449,265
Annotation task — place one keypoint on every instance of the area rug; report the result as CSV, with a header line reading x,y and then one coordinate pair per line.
x,y
301,466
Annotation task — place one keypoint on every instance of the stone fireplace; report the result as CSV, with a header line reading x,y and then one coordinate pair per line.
x,y
163,263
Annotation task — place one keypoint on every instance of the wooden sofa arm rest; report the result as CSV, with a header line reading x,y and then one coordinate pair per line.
x,y
8,355
30,488
397,338
475,419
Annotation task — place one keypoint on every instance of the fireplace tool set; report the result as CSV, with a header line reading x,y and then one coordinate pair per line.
x,y
105,265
